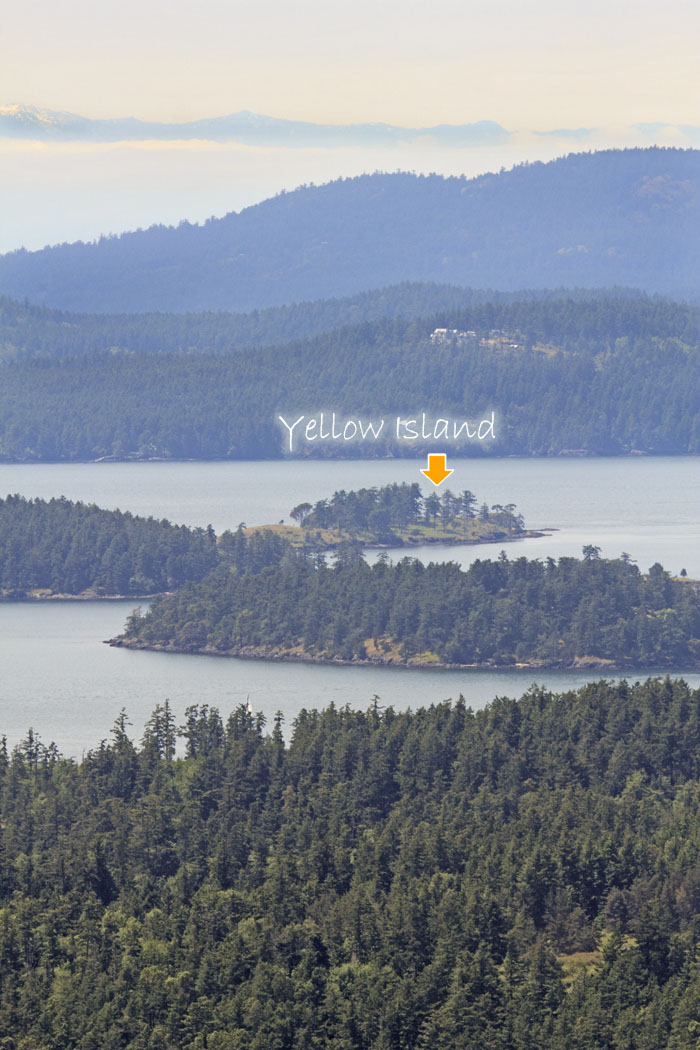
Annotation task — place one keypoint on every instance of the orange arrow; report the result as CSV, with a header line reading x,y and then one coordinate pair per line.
x,y
437,471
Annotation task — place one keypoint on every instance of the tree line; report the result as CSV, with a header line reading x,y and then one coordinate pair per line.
x,y
28,330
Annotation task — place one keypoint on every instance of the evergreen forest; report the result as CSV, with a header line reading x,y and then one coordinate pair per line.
x,y
525,877
521,877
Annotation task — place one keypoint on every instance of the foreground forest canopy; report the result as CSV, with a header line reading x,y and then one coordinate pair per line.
x,y
604,376
521,878
498,613
614,217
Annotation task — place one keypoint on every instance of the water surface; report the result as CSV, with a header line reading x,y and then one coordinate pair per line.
x,y
58,678
646,506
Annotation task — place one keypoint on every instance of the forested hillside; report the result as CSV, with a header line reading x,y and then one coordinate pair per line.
x,y
522,878
496,613
37,331
617,217
600,377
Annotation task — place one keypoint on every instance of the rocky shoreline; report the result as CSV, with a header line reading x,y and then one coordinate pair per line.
x,y
85,596
440,541
296,535
298,655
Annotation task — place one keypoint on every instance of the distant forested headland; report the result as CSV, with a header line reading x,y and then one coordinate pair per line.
x,y
603,376
565,613
520,878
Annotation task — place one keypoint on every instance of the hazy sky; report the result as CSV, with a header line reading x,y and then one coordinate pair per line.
x,y
552,61
537,65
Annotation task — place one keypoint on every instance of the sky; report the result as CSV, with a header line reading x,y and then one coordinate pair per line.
x,y
531,67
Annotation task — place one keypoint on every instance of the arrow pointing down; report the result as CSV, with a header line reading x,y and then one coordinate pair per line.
x,y
436,470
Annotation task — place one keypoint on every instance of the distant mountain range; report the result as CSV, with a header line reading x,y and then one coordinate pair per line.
x,y
612,218
29,122
257,129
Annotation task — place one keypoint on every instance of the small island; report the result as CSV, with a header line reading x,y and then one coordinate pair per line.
x,y
398,515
